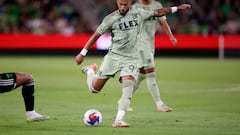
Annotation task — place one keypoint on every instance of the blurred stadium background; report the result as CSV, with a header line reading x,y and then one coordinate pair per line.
x,y
211,28
204,93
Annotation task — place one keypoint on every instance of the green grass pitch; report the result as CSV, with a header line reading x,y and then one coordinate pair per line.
x,y
204,95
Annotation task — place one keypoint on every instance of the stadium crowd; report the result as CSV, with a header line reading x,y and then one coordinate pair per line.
x,y
207,17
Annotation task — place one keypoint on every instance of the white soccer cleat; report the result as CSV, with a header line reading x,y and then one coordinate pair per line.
x,y
120,124
90,67
164,108
34,116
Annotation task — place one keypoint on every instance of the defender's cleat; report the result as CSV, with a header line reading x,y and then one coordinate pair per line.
x,y
34,116
120,124
90,67
164,108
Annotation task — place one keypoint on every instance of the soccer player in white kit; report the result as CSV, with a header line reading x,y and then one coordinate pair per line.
x,y
123,56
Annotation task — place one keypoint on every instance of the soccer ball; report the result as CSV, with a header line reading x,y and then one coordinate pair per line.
x,y
92,117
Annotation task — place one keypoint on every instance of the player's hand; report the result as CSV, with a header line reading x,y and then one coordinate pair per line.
x,y
79,59
184,6
174,41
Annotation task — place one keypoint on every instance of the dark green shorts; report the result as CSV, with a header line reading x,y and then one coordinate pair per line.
x,y
7,82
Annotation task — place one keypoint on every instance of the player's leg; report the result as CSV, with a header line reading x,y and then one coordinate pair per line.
x,y
128,75
108,68
10,81
27,82
146,61
94,84
154,90
141,77
150,75
128,83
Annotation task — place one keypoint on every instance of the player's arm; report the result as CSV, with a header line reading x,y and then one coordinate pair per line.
x,y
80,57
164,11
168,31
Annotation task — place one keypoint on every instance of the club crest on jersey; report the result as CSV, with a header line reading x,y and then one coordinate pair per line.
x,y
134,16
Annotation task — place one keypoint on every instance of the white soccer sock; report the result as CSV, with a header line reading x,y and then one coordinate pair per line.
x,y
90,71
124,101
159,103
153,88
120,115
90,78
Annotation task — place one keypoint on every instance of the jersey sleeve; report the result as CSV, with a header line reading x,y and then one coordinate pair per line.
x,y
105,25
159,5
145,13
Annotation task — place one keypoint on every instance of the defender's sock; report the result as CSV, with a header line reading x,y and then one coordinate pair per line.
x,y
28,96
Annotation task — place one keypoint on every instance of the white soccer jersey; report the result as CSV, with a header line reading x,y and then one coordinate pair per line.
x,y
149,25
124,30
